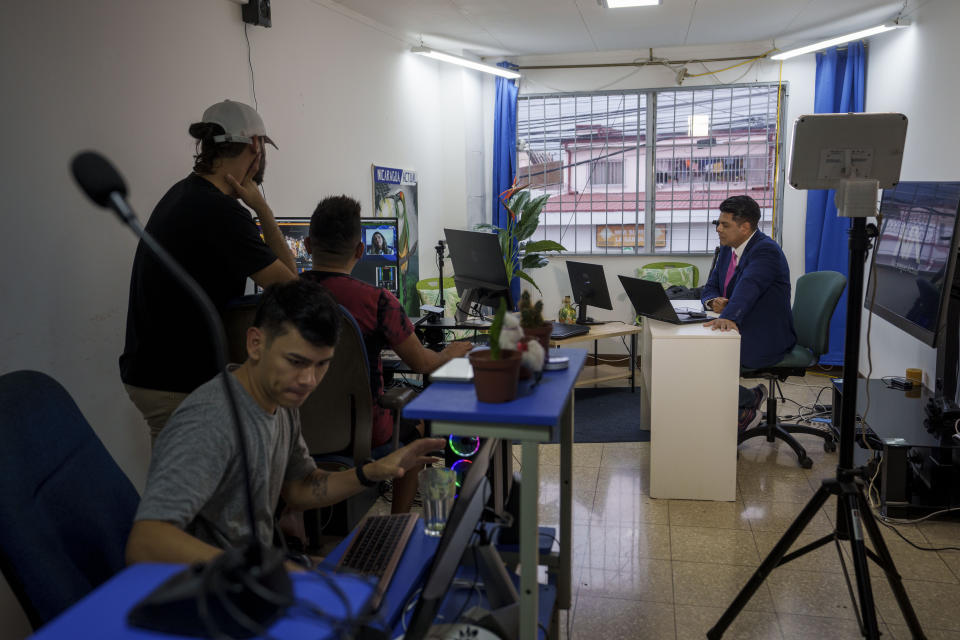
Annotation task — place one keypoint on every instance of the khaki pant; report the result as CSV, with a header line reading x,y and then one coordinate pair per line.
x,y
156,406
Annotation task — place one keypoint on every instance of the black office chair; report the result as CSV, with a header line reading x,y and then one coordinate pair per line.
x,y
66,508
816,298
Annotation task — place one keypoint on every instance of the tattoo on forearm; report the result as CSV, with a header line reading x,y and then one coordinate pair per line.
x,y
318,484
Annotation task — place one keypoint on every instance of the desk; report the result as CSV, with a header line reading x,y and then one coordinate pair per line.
x,y
103,613
920,469
689,379
453,409
604,372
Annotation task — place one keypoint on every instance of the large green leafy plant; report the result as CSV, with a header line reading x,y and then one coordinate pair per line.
x,y
520,254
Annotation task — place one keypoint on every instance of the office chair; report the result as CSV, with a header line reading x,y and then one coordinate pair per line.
x,y
66,508
337,418
813,305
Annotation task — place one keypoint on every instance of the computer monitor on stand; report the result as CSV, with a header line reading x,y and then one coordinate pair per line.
x,y
478,268
380,264
914,266
501,594
589,287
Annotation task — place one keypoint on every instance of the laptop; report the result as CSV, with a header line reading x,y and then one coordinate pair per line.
x,y
561,331
454,370
651,301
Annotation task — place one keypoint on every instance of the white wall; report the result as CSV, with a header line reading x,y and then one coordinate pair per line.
x,y
913,71
127,78
797,73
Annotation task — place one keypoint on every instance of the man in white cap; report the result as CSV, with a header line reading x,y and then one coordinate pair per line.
x,y
168,352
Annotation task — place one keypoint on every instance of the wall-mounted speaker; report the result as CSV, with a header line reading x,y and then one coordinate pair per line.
x,y
257,12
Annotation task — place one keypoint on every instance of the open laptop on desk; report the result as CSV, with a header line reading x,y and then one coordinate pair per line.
x,y
561,331
399,587
651,301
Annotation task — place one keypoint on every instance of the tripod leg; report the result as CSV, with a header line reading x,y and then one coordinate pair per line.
x,y
886,563
851,513
771,562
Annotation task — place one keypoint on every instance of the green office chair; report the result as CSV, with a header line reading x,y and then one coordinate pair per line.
x,y
813,305
671,273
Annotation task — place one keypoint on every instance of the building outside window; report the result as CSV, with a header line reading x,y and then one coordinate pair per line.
x,y
596,154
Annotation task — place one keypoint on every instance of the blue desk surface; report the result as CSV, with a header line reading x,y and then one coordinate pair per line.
x,y
103,613
457,401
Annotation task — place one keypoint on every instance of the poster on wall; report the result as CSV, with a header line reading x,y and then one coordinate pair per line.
x,y
395,196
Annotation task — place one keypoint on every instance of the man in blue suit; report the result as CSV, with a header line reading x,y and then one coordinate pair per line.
x,y
750,288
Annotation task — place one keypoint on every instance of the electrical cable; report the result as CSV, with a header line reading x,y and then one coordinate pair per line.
x,y
253,81
884,522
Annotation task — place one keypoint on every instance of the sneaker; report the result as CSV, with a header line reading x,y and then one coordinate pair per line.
x,y
748,419
760,393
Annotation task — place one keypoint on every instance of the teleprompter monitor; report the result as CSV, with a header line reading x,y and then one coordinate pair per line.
x,y
478,268
589,287
915,257
380,264
466,512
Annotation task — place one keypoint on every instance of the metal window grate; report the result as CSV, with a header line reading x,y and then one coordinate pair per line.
x,y
591,153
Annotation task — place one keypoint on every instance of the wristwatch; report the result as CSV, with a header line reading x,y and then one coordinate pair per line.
x,y
364,480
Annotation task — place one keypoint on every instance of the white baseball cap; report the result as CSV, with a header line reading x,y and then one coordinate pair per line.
x,y
240,122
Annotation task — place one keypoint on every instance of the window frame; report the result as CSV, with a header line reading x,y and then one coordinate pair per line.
x,y
647,106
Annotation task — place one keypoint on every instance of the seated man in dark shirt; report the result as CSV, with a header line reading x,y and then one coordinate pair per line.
x,y
194,504
336,246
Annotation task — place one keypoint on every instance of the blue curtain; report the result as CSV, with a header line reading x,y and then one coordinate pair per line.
x,y
839,89
504,153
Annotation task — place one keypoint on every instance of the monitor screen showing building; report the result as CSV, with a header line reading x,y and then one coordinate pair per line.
x,y
380,261
914,256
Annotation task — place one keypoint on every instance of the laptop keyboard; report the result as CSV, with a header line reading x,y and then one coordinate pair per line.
x,y
377,548
561,331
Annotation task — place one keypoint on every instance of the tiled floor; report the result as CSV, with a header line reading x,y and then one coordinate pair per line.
x,y
667,569
664,569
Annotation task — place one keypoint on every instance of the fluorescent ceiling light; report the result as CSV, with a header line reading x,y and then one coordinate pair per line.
x,y
466,62
826,44
618,4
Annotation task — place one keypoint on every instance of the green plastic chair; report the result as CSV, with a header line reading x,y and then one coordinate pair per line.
x,y
670,273
813,305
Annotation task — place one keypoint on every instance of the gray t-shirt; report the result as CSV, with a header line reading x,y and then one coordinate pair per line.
x,y
196,479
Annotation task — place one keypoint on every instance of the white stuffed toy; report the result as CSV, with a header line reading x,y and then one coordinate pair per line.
x,y
510,336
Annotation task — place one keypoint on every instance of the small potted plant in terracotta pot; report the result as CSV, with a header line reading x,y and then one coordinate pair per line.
x,y
534,326
496,370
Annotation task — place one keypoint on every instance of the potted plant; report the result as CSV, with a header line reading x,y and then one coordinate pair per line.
x,y
531,319
496,370
520,254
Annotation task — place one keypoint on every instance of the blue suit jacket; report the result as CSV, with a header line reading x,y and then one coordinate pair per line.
x,y
759,294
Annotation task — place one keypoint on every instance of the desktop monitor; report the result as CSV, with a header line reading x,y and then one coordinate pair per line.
x,y
589,288
295,231
914,257
478,268
466,512
380,264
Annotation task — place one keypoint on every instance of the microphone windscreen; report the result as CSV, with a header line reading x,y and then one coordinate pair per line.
x,y
97,177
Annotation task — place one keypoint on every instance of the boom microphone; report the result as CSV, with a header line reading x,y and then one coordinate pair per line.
x,y
102,183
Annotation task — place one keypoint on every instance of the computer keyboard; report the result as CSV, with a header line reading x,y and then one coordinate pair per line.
x,y
377,547
561,331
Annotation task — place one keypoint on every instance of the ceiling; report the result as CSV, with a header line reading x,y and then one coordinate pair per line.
x,y
510,28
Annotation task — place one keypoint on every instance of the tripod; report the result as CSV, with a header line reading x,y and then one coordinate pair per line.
x,y
852,506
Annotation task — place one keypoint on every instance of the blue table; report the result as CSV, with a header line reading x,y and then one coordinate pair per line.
x,y
103,613
452,408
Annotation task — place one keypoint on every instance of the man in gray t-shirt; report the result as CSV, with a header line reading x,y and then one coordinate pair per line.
x,y
194,504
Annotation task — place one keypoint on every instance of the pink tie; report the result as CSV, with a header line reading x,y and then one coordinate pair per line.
x,y
730,269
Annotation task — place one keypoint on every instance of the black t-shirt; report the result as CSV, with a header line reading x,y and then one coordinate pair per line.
x,y
168,345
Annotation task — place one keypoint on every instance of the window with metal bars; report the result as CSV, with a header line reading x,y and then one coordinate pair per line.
x,y
617,163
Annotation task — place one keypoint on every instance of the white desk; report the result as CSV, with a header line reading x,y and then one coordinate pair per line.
x,y
690,375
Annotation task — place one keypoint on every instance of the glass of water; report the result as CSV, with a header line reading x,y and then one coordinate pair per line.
x,y
437,489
